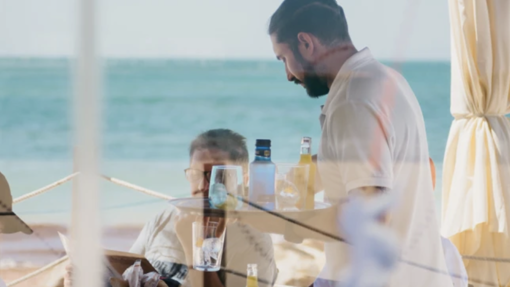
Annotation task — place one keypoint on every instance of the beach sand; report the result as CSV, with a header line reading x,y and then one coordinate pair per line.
x,y
21,254
11,274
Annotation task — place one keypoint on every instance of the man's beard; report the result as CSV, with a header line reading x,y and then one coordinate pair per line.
x,y
315,85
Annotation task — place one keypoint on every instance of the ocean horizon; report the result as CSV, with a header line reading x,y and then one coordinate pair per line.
x,y
152,109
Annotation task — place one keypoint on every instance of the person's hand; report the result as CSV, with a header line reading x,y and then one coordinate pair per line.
x,y
68,276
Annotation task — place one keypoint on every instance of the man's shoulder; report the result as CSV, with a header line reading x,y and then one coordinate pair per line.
x,y
369,82
374,70
375,89
163,217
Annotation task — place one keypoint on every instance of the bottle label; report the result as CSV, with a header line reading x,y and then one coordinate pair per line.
x,y
262,184
263,153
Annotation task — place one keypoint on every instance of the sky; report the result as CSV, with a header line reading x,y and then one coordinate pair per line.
x,y
392,29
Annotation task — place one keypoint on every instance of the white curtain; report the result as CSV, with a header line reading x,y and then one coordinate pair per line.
x,y
476,173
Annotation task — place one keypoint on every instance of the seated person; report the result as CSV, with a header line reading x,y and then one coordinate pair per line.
x,y
244,245
453,259
9,221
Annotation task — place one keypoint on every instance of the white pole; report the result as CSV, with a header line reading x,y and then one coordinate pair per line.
x,y
86,253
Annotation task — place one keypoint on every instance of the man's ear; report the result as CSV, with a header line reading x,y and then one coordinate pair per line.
x,y
433,172
306,45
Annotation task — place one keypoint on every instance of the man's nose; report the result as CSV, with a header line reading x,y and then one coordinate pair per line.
x,y
290,77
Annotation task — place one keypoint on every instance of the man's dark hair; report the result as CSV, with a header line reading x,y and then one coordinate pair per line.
x,y
224,140
324,19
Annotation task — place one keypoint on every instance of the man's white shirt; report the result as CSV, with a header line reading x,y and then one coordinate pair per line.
x,y
159,243
373,134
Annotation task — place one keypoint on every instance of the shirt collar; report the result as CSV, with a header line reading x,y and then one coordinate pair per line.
x,y
349,65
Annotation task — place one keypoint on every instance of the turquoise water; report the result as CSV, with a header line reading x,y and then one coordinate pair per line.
x,y
152,109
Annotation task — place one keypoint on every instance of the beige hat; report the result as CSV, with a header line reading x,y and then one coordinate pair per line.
x,y
9,221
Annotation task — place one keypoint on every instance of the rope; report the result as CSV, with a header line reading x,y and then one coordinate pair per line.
x,y
493,259
111,207
111,179
337,238
166,197
138,188
37,272
44,189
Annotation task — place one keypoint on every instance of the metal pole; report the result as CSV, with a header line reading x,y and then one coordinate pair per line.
x,y
86,253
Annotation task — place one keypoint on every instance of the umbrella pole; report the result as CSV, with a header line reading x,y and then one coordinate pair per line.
x,y
86,251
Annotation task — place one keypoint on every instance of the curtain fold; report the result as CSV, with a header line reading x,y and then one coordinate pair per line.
x,y
476,174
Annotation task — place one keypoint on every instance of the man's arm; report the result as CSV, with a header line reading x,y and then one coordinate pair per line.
x,y
370,192
321,226
147,232
327,222
359,159
139,245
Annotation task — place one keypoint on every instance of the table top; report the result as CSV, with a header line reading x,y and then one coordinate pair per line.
x,y
203,206
295,225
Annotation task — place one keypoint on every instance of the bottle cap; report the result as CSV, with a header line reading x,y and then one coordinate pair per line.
x,y
263,143
306,140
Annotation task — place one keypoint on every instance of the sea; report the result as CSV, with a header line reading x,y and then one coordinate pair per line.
x,y
151,110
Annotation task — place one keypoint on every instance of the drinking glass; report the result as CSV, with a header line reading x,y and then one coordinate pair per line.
x,y
291,186
207,246
226,186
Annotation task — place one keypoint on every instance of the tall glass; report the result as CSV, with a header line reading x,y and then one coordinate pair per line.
x,y
226,186
291,186
208,242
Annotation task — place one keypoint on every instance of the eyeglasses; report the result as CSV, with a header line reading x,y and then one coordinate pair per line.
x,y
195,175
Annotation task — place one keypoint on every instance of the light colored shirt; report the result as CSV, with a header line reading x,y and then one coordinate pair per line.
x,y
2,283
373,134
454,263
244,245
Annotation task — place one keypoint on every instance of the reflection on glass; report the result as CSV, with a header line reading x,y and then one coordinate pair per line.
x,y
226,187
291,186
207,246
